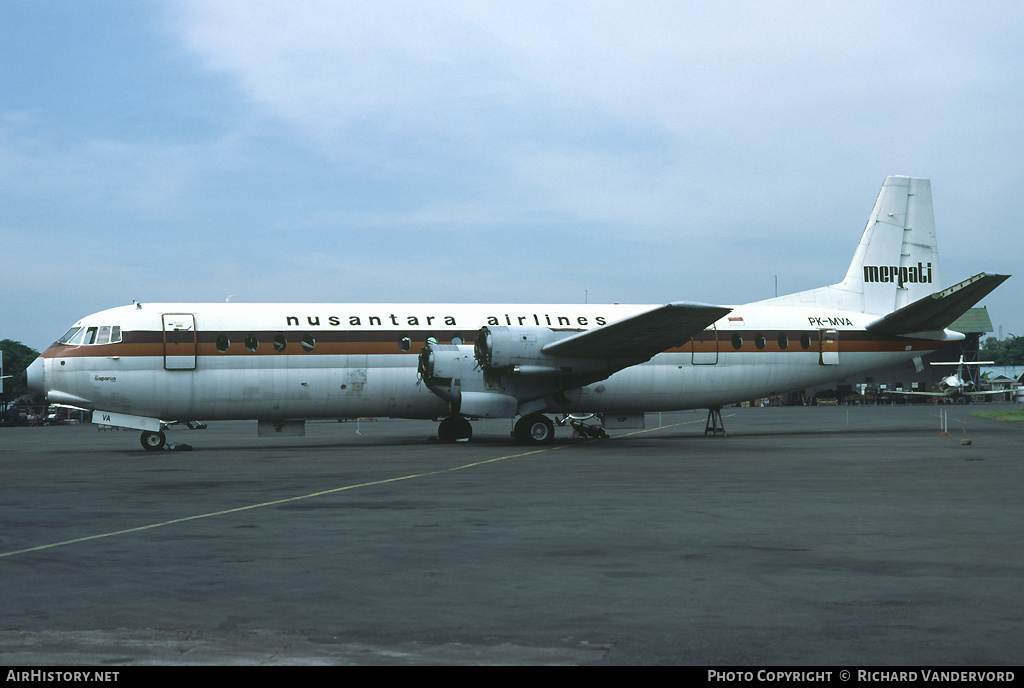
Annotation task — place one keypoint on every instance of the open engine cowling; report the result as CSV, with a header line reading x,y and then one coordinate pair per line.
x,y
507,373
519,351
452,373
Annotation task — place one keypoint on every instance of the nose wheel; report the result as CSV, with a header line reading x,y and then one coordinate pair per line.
x,y
153,441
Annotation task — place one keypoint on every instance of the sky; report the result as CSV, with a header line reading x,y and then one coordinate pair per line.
x,y
491,152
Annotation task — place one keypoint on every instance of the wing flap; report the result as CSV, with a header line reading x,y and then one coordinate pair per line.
x,y
939,310
639,337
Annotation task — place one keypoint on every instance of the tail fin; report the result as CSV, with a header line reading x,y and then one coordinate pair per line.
x,y
897,261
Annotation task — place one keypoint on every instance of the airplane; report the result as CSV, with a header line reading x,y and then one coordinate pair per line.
x,y
146,366
958,385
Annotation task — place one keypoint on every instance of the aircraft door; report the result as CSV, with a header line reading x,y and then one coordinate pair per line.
x,y
179,341
705,347
829,347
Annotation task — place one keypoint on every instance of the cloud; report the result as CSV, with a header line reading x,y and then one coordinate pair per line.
x,y
508,151
597,109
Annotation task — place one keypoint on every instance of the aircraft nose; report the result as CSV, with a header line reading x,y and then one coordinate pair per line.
x,y
34,376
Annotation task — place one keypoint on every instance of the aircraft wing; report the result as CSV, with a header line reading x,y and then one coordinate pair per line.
x,y
938,311
639,337
943,394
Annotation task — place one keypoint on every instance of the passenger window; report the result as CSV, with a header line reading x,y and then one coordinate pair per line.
x,y
405,343
783,340
252,343
308,342
805,341
737,342
223,343
280,342
759,341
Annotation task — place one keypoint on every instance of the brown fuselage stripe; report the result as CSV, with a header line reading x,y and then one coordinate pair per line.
x,y
355,343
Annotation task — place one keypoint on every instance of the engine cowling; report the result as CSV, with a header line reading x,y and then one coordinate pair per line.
x,y
446,361
452,373
507,373
516,350
505,348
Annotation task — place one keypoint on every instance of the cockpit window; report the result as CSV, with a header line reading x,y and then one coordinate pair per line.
x,y
74,336
105,334
108,334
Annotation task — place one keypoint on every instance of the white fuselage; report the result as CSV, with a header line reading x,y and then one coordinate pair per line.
x,y
300,361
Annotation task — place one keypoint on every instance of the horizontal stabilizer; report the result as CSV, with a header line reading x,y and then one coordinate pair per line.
x,y
940,310
641,336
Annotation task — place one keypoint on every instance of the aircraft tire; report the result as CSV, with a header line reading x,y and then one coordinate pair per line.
x,y
454,428
535,429
153,441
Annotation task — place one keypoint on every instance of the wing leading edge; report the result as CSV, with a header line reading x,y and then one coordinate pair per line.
x,y
639,337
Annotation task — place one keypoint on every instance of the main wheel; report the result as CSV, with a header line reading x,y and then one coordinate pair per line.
x,y
153,441
535,429
454,428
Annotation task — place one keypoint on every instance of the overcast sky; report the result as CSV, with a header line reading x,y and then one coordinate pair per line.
x,y
491,151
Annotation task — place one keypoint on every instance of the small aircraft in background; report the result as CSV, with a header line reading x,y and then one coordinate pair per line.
x,y
958,385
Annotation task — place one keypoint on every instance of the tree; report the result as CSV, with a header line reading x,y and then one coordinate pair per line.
x,y
1014,351
17,358
991,349
1006,352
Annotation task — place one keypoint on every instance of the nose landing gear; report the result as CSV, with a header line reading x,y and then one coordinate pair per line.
x,y
153,441
156,440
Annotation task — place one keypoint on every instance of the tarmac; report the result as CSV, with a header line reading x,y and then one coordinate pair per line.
x,y
842,536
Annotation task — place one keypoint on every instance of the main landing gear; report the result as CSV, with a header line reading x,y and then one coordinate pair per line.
x,y
454,428
535,428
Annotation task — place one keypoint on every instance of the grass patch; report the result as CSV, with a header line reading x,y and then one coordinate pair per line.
x,y
1015,416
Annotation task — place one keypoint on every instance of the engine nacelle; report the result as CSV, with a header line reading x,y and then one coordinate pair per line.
x,y
451,372
518,351
506,373
500,347
446,361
